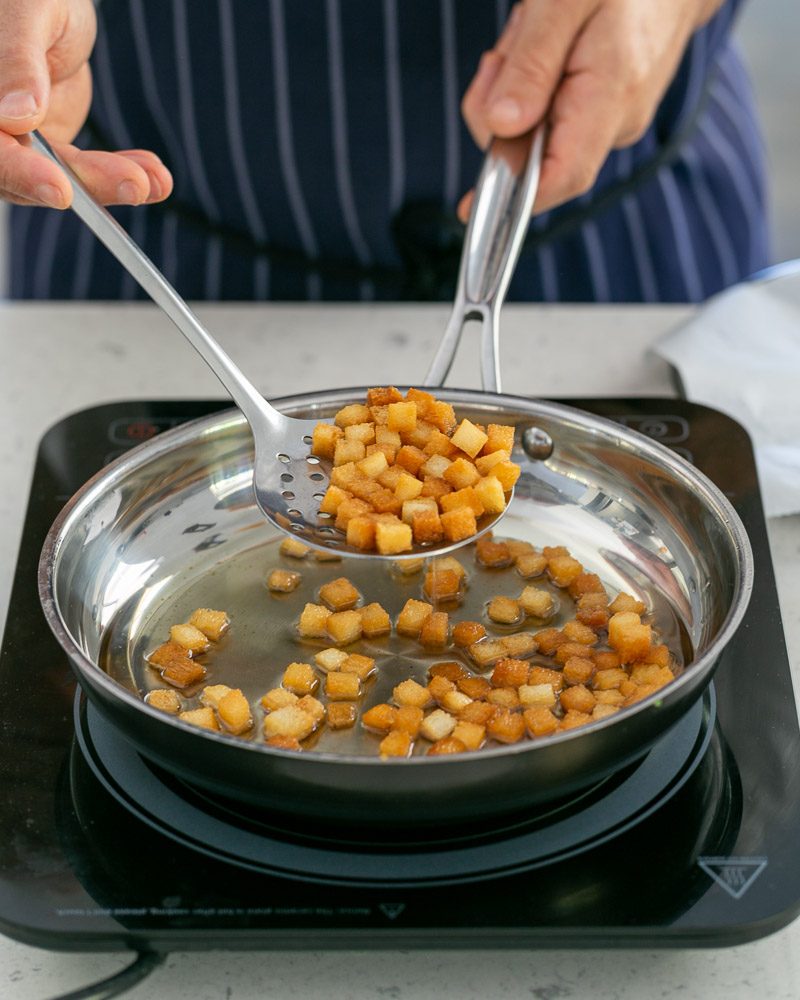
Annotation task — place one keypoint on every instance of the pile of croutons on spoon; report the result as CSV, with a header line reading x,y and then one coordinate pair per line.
x,y
406,472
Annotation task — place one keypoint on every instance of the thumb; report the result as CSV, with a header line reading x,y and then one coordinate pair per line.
x,y
24,73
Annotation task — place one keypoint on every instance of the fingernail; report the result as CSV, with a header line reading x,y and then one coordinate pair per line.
x,y
506,111
128,193
155,188
50,195
18,104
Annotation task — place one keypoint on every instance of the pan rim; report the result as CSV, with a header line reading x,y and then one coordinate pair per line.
x,y
227,419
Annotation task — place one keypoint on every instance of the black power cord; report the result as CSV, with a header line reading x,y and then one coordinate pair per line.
x,y
141,967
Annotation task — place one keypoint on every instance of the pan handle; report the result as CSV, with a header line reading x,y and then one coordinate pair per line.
x,y
498,220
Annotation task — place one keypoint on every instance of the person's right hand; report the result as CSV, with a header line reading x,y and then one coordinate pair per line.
x,y
46,84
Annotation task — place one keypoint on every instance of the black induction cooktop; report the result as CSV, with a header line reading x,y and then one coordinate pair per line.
x,y
695,844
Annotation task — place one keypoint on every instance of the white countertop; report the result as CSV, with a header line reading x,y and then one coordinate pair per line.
x,y
61,358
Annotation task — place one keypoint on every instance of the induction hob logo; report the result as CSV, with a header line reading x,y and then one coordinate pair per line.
x,y
391,910
734,875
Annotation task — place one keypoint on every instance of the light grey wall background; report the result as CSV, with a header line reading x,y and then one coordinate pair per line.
x,y
768,32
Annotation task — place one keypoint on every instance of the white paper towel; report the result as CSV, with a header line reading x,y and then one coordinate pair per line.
x,y
741,354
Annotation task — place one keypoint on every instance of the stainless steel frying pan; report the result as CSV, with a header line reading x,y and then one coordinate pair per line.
x,y
173,525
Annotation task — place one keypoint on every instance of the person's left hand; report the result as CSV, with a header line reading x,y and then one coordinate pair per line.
x,y
596,70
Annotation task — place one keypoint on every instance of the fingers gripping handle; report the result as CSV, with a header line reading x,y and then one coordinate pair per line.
x,y
498,221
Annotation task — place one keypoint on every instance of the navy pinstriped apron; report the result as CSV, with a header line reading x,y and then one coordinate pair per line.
x,y
318,153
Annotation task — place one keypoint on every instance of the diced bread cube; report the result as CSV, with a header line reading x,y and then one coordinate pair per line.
x,y
393,538
420,435
323,440
575,631
485,463
344,627
361,532
442,584
435,467
382,395
461,473
373,465
284,743
300,678
349,509
537,694
491,553
202,717
410,692
500,437
412,617
448,562
459,524
283,581
375,621
435,488
509,672
470,734
379,718
577,670
491,495
183,673
466,498
164,700
478,712
455,702
487,651
626,603
467,633
469,438
313,707
435,630
609,679
289,721
531,564
341,714
355,413
474,687
441,415
402,417
504,697
628,637
562,570
578,698
537,602
339,594
506,726
504,610
408,719
386,437
411,459
213,624
343,475
446,746
212,694
418,506
341,686
440,444
348,451
365,433
191,638
452,670
507,473
234,712
408,487
362,666
437,725
278,698
313,621
539,720
330,659
426,527
397,743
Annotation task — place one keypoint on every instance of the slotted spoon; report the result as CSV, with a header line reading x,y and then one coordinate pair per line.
x,y
288,481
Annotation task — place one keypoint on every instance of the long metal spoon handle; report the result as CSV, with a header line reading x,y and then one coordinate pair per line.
x,y
139,266
499,218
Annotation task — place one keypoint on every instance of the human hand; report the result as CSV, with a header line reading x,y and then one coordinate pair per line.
x,y
45,83
596,70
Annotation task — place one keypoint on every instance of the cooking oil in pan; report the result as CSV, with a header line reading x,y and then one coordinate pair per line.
x,y
263,639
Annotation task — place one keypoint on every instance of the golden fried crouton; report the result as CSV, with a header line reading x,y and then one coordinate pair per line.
x,y
164,700
382,395
442,416
435,467
361,532
460,473
531,695
212,694
466,498
278,698
341,714
611,696
504,610
344,627
341,686
474,687
478,712
283,581
323,440
407,487
485,463
412,617
435,630
313,707
373,465
393,538
420,505
509,672
577,670
467,633
426,527
362,666
408,719
544,675
167,653
365,433
191,638
491,493
507,473
506,726
397,743
410,692
284,743
434,488
504,697
628,637
562,570
578,699
300,678
289,721
531,564
440,444
234,713
603,711
355,413
313,620
605,659
439,686
592,610
451,670
455,702
487,651
293,548
442,584
549,639
459,524
213,624
607,680
626,603
375,621
469,438
573,719
343,475
651,673
348,451
183,673
539,721
402,417
420,436
470,734
330,659
574,631
339,594
537,602
202,717
445,746
386,437
491,553
410,458
379,718
437,725
348,509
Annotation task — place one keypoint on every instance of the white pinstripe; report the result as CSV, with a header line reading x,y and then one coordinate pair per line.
x,y
451,109
684,250
394,106
715,224
745,192
598,273
186,104
341,155
634,224
291,177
